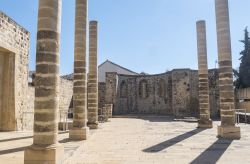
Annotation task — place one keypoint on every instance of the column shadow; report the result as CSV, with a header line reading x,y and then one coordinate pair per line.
x,y
14,150
13,139
166,144
26,137
212,154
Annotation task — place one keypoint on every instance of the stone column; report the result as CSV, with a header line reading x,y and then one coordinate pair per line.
x,y
227,106
204,121
80,129
45,148
93,77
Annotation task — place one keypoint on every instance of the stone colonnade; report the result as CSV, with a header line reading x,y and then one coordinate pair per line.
x,y
80,129
204,121
93,77
227,106
227,129
45,148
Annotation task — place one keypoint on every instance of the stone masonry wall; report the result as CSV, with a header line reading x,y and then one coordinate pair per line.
x,y
171,93
65,96
101,94
181,92
16,39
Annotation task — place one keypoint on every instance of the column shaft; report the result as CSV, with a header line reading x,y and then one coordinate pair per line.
x,y
80,130
205,121
45,146
227,106
93,77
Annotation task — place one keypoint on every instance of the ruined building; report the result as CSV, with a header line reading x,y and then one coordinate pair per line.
x,y
172,93
14,59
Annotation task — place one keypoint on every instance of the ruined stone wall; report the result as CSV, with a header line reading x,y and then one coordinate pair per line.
x,y
194,93
101,94
111,88
172,93
65,97
214,94
28,115
15,39
152,98
66,93
181,92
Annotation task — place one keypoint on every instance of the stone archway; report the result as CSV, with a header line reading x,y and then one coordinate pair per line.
x,y
7,89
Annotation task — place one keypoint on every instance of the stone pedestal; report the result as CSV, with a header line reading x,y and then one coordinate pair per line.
x,y
227,106
41,155
79,134
202,123
229,132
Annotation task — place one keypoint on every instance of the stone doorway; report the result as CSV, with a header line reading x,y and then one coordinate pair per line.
x,y
7,98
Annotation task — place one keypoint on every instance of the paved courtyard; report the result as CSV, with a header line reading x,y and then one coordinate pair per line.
x,y
152,140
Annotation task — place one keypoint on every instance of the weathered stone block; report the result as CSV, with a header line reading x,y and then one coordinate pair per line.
x,y
79,133
229,132
38,155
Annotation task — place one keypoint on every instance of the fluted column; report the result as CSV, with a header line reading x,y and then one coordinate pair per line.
x,y
204,121
93,77
227,106
80,129
45,148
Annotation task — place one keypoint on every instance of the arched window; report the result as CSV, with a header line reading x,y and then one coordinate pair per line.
x,y
162,88
143,89
123,90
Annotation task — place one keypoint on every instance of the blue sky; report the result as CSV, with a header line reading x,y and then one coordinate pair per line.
x,y
143,35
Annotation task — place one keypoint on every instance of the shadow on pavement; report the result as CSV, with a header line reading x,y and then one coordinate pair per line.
x,y
164,145
212,154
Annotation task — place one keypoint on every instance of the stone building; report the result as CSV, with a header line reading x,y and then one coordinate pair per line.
x,y
14,59
171,93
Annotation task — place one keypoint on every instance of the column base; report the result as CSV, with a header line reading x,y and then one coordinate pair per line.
x,y
41,155
229,132
79,133
205,123
92,125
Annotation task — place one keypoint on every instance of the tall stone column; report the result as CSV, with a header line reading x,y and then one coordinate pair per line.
x,y
227,106
45,148
93,77
80,129
204,121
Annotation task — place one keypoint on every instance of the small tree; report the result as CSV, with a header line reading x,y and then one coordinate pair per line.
x,y
243,80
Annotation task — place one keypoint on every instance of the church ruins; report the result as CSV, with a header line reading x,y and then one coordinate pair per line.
x,y
203,93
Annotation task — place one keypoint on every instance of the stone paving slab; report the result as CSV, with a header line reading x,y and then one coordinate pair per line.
x,y
149,140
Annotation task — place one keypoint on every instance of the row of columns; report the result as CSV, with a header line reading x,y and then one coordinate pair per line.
x,y
45,147
227,129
